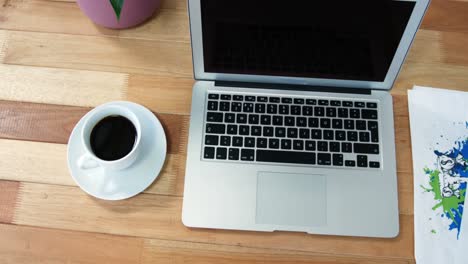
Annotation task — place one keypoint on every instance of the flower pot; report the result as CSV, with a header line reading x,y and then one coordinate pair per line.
x,y
133,12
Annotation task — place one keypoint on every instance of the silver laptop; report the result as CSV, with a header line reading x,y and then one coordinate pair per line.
x,y
292,121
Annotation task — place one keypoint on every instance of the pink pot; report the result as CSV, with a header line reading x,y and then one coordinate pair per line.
x,y
133,12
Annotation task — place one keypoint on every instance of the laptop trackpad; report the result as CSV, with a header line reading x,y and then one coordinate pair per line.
x,y
291,199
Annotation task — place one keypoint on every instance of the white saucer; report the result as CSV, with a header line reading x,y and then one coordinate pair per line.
x,y
119,185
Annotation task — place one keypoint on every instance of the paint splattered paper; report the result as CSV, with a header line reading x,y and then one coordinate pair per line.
x,y
439,136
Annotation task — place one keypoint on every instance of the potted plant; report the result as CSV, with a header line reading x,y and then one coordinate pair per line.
x,y
118,14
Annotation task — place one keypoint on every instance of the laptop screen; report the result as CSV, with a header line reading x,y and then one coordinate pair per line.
x,y
348,40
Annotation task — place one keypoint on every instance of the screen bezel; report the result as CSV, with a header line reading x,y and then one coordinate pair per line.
x,y
402,50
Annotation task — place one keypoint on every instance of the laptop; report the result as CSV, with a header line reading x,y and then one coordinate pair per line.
x,y
292,123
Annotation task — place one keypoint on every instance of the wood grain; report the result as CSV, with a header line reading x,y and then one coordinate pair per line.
x,y
446,15
8,196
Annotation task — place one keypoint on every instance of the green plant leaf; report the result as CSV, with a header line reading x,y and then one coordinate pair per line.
x,y
117,6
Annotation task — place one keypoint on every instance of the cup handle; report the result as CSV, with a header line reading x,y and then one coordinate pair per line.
x,y
86,162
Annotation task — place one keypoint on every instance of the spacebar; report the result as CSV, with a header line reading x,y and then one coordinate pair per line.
x,y
285,157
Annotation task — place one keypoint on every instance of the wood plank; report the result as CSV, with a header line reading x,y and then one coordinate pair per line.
x,y
36,245
98,53
47,163
155,216
60,86
8,195
446,15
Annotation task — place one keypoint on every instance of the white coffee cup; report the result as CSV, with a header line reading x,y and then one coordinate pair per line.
x,y
89,160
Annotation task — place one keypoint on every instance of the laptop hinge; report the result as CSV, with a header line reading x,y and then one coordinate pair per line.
x,y
295,87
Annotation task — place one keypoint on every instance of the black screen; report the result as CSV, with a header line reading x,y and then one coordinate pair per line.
x,y
349,40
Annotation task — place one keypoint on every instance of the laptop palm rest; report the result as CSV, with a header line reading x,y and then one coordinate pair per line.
x,y
288,199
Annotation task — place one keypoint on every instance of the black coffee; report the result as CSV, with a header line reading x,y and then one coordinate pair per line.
x,y
113,138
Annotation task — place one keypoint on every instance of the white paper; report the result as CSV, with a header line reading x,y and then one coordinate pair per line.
x,y
439,135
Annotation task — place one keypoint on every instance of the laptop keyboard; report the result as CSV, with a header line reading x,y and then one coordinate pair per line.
x,y
295,130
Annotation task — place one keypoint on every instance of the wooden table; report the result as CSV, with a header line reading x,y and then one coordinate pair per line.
x,y
55,65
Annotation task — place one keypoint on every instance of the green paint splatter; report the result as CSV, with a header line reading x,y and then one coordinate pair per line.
x,y
433,231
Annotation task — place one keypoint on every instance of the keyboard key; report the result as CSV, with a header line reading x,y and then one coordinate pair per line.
x,y
374,130
286,100
328,134
254,119
274,99
250,98
322,146
212,140
248,108
244,130
324,159
319,111
298,101
233,154
209,153
369,114
316,134
374,164
277,120
349,124
212,105
224,106
272,109
214,117
229,118
285,157
361,125
265,120
256,131
241,118
298,145
232,129
363,148
289,121
237,141
304,133
325,123
364,136
295,110
215,128
337,124
307,110
225,141
267,131
352,136
343,112
292,132
335,103
346,147
310,145
262,143
371,105
260,108
273,143
221,153
313,122
337,159
350,163
362,161
355,113
247,154
331,112
359,104
334,146
213,96
280,132
301,121
323,102
286,144
238,98
284,109
311,101
340,135
348,104
226,97
236,107
262,99
249,142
